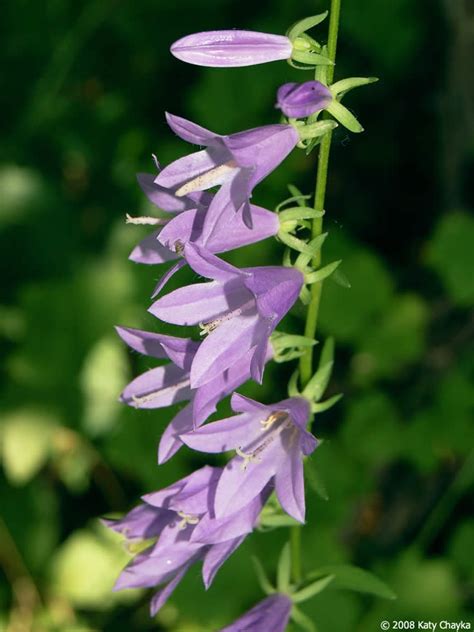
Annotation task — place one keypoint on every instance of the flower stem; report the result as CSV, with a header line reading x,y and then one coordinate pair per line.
x,y
306,360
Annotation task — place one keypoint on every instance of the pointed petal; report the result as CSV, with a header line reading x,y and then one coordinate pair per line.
x,y
151,252
211,530
208,265
257,365
221,436
162,197
193,304
170,441
184,227
157,388
141,522
216,556
167,276
195,484
223,347
289,484
187,168
161,597
276,289
229,199
242,404
180,351
237,487
189,131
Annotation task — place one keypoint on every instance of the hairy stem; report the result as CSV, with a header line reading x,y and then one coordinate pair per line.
x,y
306,360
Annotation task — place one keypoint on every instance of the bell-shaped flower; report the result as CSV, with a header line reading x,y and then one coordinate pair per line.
x,y
236,163
232,48
168,520
170,383
271,614
299,100
237,311
166,243
270,441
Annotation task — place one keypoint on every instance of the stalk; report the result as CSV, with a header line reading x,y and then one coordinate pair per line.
x,y
306,360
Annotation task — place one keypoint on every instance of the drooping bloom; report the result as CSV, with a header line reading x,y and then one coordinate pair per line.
x,y
170,383
237,163
166,243
232,48
299,100
238,310
271,614
270,441
170,518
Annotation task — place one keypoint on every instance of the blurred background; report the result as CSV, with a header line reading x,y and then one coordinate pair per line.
x,y
84,90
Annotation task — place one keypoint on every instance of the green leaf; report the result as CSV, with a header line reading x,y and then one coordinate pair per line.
x,y
27,437
284,569
299,212
262,578
305,24
344,116
314,479
355,578
302,620
320,407
274,521
452,256
104,375
340,279
312,589
322,273
344,85
315,388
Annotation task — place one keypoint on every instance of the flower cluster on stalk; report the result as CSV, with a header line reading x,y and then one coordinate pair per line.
x,y
206,199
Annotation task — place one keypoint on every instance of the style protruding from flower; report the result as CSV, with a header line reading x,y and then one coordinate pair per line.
x,y
271,614
237,311
176,527
270,442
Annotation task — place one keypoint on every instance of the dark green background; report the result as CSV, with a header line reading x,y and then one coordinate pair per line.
x,y
84,88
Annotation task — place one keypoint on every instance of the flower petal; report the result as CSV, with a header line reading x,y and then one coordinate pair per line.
x,y
170,441
189,131
151,252
231,48
289,483
156,388
273,613
161,597
188,167
210,266
223,435
161,196
167,276
216,556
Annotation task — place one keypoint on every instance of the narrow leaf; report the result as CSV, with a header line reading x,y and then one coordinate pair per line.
x,y
314,479
284,569
299,212
262,578
302,620
344,85
355,578
344,116
305,24
312,589
340,278
320,407
322,273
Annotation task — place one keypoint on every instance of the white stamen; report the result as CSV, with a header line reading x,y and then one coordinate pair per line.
x,y
210,178
206,328
186,519
247,458
144,220
160,392
279,417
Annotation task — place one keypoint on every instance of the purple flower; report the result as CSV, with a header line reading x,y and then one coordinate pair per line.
x,y
166,243
170,383
237,162
270,442
299,100
172,516
237,311
271,614
231,48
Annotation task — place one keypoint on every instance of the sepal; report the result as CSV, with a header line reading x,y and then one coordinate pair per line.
x,y
289,346
305,24
340,88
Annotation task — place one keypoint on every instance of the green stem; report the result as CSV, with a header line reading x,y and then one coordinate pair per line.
x,y
306,360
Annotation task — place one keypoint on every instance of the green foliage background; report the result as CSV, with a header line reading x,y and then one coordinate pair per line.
x,y
84,89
